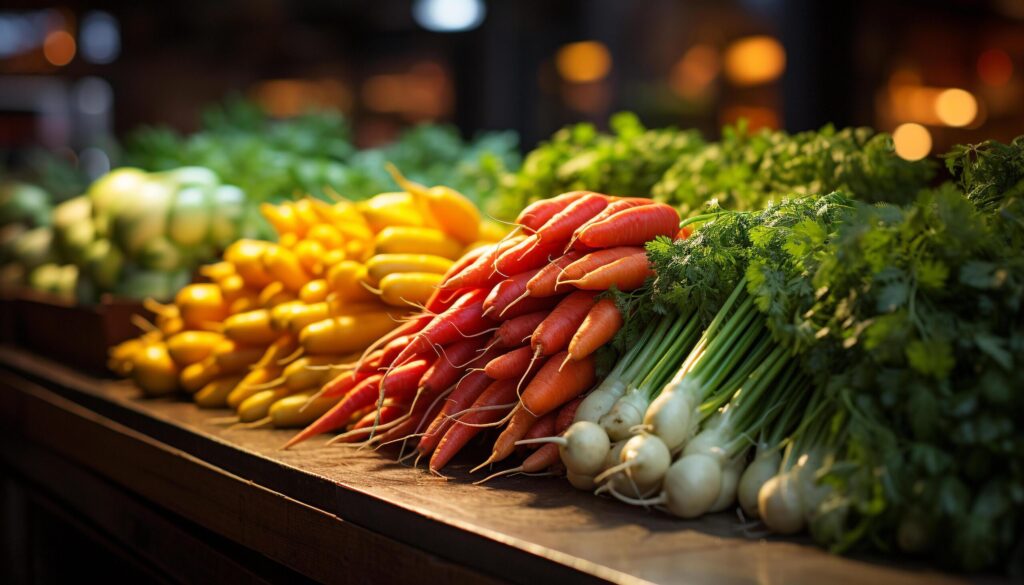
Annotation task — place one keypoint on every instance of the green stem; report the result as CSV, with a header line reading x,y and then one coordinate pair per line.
x,y
663,370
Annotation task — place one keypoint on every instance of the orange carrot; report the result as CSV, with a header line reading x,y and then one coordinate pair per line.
x,y
465,393
617,205
484,410
518,425
595,260
547,455
599,327
517,330
545,283
552,387
481,270
625,274
555,332
510,365
632,227
561,225
527,255
362,395
683,233
539,212
506,292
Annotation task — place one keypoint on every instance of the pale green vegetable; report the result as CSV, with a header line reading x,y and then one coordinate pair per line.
x,y
35,247
191,177
189,222
228,209
160,254
144,217
24,203
139,284
111,191
103,263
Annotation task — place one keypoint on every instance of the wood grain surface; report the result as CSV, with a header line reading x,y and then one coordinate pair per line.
x,y
520,529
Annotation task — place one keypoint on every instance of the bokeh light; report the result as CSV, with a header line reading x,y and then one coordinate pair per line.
x,y
956,107
59,47
695,70
449,15
912,141
583,62
755,60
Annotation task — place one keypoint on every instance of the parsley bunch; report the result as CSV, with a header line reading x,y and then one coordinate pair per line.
x,y
748,170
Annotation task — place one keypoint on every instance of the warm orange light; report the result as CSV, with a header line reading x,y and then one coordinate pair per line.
x,y
384,93
912,141
757,117
956,107
59,47
583,62
995,67
755,60
697,68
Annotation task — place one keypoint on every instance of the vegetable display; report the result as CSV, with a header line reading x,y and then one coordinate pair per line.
x,y
277,320
800,328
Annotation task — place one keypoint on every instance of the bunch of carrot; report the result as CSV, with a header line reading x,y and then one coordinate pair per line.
x,y
506,341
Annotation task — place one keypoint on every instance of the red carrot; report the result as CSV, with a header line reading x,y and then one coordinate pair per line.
x,y
481,270
387,413
530,305
484,410
552,387
452,361
625,274
598,328
342,383
543,427
517,330
442,298
506,292
362,395
416,422
465,393
632,227
539,212
464,319
527,255
567,415
400,383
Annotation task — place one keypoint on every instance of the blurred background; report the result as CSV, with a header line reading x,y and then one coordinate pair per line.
x,y
76,74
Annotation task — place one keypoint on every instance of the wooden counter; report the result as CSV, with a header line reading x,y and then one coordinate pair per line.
x,y
152,474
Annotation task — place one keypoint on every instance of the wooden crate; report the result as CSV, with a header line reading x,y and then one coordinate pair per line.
x,y
75,335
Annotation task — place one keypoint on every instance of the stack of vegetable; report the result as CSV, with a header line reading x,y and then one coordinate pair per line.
x,y
278,318
270,158
831,365
744,170
26,240
508,340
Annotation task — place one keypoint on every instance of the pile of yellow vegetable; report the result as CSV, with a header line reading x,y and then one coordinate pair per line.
x,y
274,321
